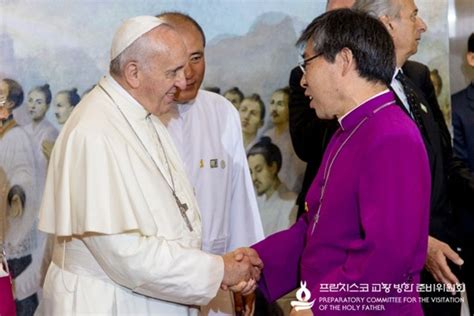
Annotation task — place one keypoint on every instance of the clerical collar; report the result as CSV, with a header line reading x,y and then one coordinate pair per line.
x,y
395,73
353,117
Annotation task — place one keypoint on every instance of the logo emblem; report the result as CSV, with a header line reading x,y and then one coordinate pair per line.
x,y
222,164
303,295
213,163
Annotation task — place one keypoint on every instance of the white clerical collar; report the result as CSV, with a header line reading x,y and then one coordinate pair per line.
x,y
395,73
363,102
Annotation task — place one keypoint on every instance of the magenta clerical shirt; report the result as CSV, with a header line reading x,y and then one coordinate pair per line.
x,y
372,193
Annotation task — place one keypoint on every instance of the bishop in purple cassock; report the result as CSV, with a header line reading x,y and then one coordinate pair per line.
x,y
365,231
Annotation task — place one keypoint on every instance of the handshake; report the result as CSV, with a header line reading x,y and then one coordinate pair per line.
x,y
242,269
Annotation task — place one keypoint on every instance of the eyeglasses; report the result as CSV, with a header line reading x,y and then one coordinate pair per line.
x,y
304,63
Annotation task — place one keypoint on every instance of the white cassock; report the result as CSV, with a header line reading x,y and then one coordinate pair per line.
x,y
278,212
208,136
292,167
22,237
128,249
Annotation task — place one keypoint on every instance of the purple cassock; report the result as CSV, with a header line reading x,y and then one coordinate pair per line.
x,y
367,219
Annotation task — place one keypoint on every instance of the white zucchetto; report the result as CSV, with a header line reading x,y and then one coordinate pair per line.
x,y
130,31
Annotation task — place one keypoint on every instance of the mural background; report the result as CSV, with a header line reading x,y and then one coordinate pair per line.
x,y
250,43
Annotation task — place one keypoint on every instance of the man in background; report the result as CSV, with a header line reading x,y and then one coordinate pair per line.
x,y
463,129
205,128
450,179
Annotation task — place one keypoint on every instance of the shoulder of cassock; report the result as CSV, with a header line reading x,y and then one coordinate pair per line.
x,y
90,186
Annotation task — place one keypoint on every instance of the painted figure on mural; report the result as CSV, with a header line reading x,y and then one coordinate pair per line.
x,y
440,95
252,115
24,245
235,96
41,131
276,202
64,102
292,168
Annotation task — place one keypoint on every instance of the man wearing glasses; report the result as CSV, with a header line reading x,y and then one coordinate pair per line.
x,y
372,192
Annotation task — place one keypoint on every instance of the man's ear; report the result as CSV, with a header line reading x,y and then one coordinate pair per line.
x,y
274,168
131,74
345,60
385,19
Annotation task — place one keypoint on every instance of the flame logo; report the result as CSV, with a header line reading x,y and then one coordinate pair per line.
x,y
303,295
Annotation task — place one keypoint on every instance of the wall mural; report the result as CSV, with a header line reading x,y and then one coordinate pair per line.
x,y
58,50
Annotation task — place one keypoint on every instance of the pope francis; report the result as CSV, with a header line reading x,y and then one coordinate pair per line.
x,y
126,223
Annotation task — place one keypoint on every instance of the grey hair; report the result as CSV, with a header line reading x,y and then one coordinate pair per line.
x,y
378,8
140,50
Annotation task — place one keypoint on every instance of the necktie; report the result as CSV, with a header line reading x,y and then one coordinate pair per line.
x,y
412,98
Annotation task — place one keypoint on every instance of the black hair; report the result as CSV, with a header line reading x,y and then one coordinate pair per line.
x,y
369,41
270,152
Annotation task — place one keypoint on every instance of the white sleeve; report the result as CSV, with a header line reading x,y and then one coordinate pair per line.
x,y
158,268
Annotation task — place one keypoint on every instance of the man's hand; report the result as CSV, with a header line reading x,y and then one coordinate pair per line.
x,y
242,252
436,262
241,270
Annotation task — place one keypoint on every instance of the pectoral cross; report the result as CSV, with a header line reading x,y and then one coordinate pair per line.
x,y
183,207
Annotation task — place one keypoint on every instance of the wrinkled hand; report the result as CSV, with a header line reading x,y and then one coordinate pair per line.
x,y
252,255
305,312
47,148
437,264
241,270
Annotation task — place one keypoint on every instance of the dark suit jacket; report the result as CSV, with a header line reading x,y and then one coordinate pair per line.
x,y
463,124
463,129
450,177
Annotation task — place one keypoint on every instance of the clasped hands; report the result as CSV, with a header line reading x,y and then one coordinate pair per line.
x,y
242,269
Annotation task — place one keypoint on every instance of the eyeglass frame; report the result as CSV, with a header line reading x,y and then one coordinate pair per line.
x,y
304,63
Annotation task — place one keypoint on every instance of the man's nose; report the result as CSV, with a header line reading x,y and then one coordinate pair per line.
x,y
188,71
180,80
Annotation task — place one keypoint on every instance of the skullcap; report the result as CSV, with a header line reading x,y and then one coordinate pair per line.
x,y
130,31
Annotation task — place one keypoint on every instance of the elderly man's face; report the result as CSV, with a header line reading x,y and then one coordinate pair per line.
x,y
196,66
162,74
406,30
263,175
